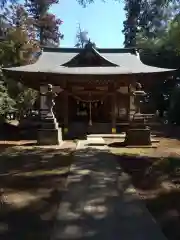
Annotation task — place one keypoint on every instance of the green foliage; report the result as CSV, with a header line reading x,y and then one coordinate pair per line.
x,y
16,49
26,99
166,40
154,27
148,23
46,25
6,102
173,35
132,9
19,42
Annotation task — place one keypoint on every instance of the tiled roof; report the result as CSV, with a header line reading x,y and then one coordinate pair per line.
x,y
113,62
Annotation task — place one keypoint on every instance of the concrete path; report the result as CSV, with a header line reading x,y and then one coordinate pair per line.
x,y
100,203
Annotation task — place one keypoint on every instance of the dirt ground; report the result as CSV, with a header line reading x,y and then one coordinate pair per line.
x,y
32,180
155,173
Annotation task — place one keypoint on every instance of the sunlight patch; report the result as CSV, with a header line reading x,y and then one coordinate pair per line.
x,y
98,211
83,172
57,171
21,199
130,190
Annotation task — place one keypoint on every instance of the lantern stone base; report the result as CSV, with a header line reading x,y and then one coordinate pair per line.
x,y
49,133
49,136
137,137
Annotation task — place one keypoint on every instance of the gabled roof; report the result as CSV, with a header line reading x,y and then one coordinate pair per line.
x,y
89,57
88,61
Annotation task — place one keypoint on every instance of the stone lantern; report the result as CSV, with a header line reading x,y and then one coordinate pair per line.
x,y
49,132
138,132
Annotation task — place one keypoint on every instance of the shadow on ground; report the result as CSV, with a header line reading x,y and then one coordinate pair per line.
x,y
166,210
117,144
31,185
89,209
32,182
95,144
157,181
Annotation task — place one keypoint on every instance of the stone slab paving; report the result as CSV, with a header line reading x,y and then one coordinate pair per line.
x,y
100,202
96,143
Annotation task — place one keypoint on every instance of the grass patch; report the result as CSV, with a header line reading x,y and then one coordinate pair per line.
x,y
132,151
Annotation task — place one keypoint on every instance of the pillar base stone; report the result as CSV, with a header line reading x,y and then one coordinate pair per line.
x,y
137,137
49,136
49,133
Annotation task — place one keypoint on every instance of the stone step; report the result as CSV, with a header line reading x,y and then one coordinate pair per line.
x,y
122,135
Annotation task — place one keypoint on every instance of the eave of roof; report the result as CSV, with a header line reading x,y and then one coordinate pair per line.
x,y
52,60
87,71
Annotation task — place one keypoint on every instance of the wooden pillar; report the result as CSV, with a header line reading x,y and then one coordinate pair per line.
x,y
129,103
113,109
66,109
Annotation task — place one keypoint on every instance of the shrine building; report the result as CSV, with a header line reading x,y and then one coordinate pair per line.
x,y
94,85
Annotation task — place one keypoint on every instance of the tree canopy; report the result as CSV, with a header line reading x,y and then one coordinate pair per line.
x,y
46,25
24,28
154,28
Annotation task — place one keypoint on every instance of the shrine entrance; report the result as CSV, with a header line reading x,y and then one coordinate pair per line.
x,y
88,111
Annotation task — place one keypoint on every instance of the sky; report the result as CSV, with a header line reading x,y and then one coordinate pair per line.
x,y
103,21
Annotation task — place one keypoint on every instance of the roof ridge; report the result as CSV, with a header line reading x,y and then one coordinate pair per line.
x,y
100,50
